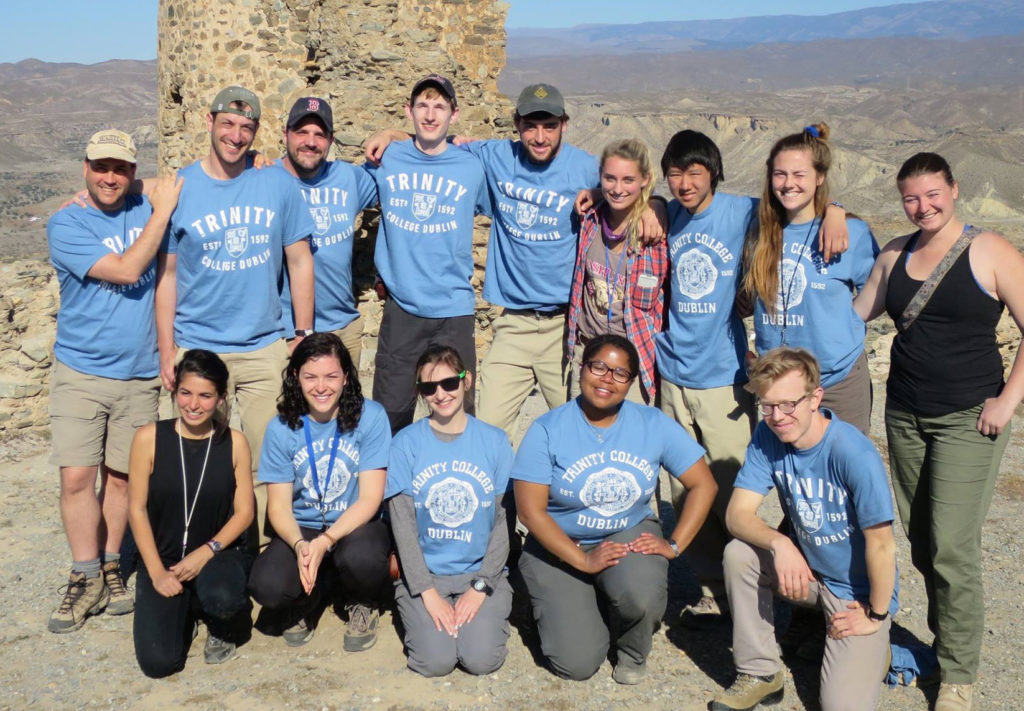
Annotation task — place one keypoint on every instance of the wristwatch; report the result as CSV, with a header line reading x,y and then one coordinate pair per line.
x,y
674,546
872,615
480,585
215,545
303,332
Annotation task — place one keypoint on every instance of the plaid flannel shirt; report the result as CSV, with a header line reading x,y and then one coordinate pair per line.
x,y
644,306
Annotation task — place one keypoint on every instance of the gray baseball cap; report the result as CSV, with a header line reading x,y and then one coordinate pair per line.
x,y
540,99
222,102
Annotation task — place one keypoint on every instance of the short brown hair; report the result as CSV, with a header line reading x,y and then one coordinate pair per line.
x,y
778,362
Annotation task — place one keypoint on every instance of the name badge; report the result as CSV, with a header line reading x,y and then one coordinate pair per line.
x,y
647,280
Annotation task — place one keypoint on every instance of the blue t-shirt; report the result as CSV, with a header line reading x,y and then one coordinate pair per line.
x,y
424,249
285,460
532,249
455,487
229,236
815,300
831,492
334,200
600,486
705,342
103,329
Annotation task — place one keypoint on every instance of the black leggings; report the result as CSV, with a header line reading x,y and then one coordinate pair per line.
x,y
163,625
358,566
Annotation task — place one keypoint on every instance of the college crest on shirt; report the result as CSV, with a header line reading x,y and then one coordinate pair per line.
x,y
451,502
696,274
322,218
810,514
792,284
340,479
423,205
236,241
526,214
610,492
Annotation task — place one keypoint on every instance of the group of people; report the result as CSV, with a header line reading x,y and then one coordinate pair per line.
x,y
233,286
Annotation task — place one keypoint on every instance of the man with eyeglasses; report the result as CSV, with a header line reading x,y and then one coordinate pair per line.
x,y
839,556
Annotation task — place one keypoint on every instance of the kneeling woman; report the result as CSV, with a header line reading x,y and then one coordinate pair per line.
x,y
324,460
584,476
446,486
190,501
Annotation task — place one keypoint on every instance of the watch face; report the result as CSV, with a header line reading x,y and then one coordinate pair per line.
x,y
479,585
216,546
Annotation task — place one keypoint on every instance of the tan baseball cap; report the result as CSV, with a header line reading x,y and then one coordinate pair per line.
x,y
232,94
111,143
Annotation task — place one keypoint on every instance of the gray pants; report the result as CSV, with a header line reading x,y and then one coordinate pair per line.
x,y
567,605
852,669
480,647
850,398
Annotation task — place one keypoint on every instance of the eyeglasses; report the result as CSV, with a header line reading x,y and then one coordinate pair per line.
x,y
786,407
449,385
599,368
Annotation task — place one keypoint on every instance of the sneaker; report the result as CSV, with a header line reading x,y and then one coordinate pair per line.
x,y
954,697
121,601
82,597
749,691
707,612
361,630
218,651
629,674
298,634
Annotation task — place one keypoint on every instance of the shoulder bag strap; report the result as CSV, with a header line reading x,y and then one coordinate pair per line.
x,y
924,293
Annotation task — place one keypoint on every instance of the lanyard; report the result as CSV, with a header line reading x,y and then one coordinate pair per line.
x,y
788,291
312,464
184,485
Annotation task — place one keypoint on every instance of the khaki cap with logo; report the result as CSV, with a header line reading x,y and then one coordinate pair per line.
x,y
111,143
225,97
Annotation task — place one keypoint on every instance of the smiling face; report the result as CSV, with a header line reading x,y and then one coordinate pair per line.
x,y
307,145
794,182
322,380
692,186
444,405
541,136
928,200
798,427
604,392
107,181
197,400
231,136
621,183
431,115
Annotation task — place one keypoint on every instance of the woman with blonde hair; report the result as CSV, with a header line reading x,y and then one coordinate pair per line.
x,y
617,286
800,300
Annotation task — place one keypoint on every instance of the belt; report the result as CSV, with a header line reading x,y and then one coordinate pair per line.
x,y
536,313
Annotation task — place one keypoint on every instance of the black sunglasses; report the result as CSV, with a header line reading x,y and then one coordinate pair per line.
x,y
449,385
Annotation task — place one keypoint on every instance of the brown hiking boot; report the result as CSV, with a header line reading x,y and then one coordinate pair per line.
x,y
121,601
749,691
361,630
82,597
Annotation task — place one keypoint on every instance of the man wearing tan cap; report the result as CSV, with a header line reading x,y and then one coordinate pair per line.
x,y
218,274
104,382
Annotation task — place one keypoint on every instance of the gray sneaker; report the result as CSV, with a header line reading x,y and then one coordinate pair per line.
x,y
121,601
629,674
298,634
218,651
361,630
749,691
82,597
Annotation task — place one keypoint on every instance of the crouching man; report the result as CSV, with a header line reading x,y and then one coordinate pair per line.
x,y
840,557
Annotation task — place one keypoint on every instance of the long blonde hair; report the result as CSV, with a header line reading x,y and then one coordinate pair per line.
x,y
637,151
763,247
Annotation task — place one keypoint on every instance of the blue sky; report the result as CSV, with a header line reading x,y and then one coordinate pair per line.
x,y
88,32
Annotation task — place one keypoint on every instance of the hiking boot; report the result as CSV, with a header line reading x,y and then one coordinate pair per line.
x,y
298,634
361,630
121,601
749,691
629,674
82,597
954,697
218,651
706,613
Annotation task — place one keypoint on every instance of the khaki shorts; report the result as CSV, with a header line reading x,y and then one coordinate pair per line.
x,y
93,419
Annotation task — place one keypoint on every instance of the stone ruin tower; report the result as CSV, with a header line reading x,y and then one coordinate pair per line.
x,y
363,56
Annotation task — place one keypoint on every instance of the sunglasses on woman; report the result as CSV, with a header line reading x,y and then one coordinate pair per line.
x,y
449,385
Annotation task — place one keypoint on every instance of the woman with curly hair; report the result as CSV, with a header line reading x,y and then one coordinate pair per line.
x,y
324,460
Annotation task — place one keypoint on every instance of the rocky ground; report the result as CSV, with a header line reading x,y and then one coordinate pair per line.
x,y
95,668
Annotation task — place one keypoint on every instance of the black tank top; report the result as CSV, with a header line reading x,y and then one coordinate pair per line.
x,y
948,359
165,504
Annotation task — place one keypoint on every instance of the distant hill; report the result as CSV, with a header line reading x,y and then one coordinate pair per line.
x,y
950,19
